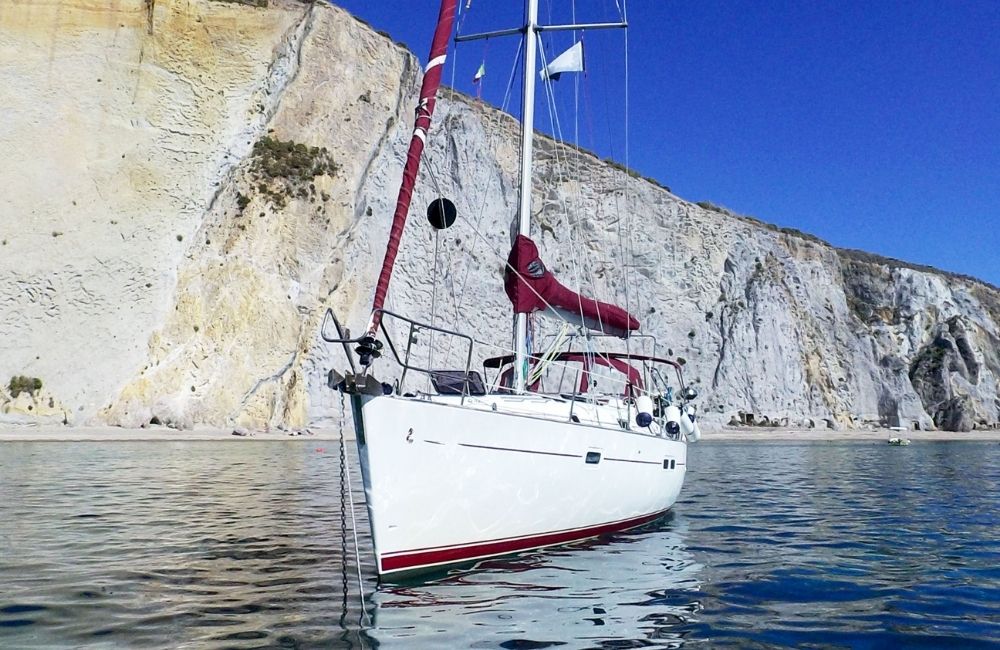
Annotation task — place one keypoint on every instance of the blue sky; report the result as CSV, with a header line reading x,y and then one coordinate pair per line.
x,y
874,125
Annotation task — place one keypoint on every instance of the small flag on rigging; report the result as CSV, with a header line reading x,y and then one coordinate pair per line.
x,y
480,73
569,61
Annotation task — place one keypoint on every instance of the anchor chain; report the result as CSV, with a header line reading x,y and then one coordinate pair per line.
x,y
347,496
343,514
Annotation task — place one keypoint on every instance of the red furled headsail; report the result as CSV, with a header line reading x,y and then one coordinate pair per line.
x,y
425,108
533,287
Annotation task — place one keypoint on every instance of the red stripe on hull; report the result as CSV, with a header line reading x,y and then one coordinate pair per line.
x,y
410,560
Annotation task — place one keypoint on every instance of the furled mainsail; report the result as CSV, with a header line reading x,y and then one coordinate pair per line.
x,y
532,287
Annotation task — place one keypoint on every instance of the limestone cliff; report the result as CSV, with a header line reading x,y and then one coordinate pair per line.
x,y
190,184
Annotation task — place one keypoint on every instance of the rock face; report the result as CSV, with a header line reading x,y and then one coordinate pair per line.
x,y
190,184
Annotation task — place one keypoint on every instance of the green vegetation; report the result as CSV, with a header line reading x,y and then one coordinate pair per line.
x,y
261,4
844,253
286,169
708,205
21,384
893,263
928,366
792,232
988,299
620,167
294,161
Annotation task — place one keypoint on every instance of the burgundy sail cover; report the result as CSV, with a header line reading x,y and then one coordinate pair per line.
x,y
533,287
422,123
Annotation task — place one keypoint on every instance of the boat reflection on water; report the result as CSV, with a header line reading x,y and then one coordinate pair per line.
x,y
639,586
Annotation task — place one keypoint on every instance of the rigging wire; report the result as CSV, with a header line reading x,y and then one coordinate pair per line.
x,y
628,213
572,224
492,124
434,288
365,619
618,211
625,244
595,287
590,352
576,87
548,305
547,357
459,19
560,167
539,296
507,266
559,153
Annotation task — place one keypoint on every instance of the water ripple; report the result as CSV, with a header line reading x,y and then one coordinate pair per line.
x,y
208,545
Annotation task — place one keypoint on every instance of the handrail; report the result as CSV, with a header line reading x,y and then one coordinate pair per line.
x,y
499,363
404,360
341,338
416,326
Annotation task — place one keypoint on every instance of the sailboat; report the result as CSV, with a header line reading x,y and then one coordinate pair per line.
x,y
496,463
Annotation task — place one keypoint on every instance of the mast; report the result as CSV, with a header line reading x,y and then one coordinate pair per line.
x,y
369,348
524,209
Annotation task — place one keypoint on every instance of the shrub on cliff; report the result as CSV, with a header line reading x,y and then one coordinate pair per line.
x,y
260,4
284,168
21,384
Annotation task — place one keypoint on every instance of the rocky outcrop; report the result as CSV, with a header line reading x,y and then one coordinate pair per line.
x,y
189,185
946,374
934,335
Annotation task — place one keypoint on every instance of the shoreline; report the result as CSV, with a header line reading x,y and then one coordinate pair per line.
x,y
830,435
27,433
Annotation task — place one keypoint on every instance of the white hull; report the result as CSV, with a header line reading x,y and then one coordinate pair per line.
x,y
449,483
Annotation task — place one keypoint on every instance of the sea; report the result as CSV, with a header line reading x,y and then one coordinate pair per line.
x,y
243,545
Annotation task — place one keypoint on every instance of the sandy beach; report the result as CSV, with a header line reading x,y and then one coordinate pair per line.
x,y
25,433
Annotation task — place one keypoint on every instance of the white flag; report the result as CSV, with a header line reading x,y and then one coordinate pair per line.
x,y
569,61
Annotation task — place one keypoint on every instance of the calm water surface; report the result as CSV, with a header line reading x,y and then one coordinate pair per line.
x,y
238,545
